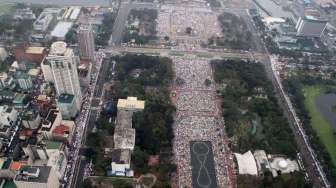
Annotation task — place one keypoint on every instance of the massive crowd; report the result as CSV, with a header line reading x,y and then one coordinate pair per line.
x,y
194,72
198,116
173,21
198,119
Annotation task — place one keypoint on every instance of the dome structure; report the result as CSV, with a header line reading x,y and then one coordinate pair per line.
x,y
283,164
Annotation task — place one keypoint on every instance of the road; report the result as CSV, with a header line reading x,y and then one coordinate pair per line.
x,y
312,165
205,53
103,76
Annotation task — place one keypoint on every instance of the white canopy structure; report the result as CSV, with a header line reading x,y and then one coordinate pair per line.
x,y
246,163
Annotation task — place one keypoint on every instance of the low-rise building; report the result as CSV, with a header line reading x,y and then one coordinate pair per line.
x,y
35,54
24,80
121,163
31,119
7,95
124,134
53,119
8,116
131,104
45,19
42,23
64,131
259,162
21,101
61,29
6,81
36,177
24,14
280,165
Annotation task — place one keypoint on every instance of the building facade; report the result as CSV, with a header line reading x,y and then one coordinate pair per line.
x,y
60,68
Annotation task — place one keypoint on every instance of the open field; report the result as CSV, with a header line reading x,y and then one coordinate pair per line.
x,y
322,127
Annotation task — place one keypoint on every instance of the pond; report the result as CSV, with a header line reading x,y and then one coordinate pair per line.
x,y
324,104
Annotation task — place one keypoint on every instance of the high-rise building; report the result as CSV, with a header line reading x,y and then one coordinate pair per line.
x,y
60,68
86,41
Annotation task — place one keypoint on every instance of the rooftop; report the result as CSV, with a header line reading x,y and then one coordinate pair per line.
x,y
19,98
42,177
61,29
29,114
33,72
131,102
58,48
35,50
53,144
15,165
121,156
75,13
124,138
61,130
246,163
124,119
66,98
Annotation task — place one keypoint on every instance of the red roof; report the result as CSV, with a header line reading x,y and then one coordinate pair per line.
x,y
26,132
84,61
61,130
15,165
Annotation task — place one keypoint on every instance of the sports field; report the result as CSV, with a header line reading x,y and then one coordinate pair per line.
x,y
322,127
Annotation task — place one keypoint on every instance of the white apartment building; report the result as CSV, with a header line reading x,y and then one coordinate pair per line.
x,y
60,68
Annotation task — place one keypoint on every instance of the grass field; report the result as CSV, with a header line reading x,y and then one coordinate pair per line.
x,y
322,127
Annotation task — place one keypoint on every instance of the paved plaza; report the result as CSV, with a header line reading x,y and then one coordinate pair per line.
x,y
203,170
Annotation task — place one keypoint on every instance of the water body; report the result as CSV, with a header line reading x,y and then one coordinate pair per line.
x,y
62,2
324,103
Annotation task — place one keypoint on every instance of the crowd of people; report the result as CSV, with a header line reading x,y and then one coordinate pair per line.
x,y
198,118
81,123
194,72
174,20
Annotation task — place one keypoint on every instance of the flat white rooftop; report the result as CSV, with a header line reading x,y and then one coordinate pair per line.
x,y
61,29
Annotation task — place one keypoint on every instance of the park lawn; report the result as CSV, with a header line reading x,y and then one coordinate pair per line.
x,y
322,127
